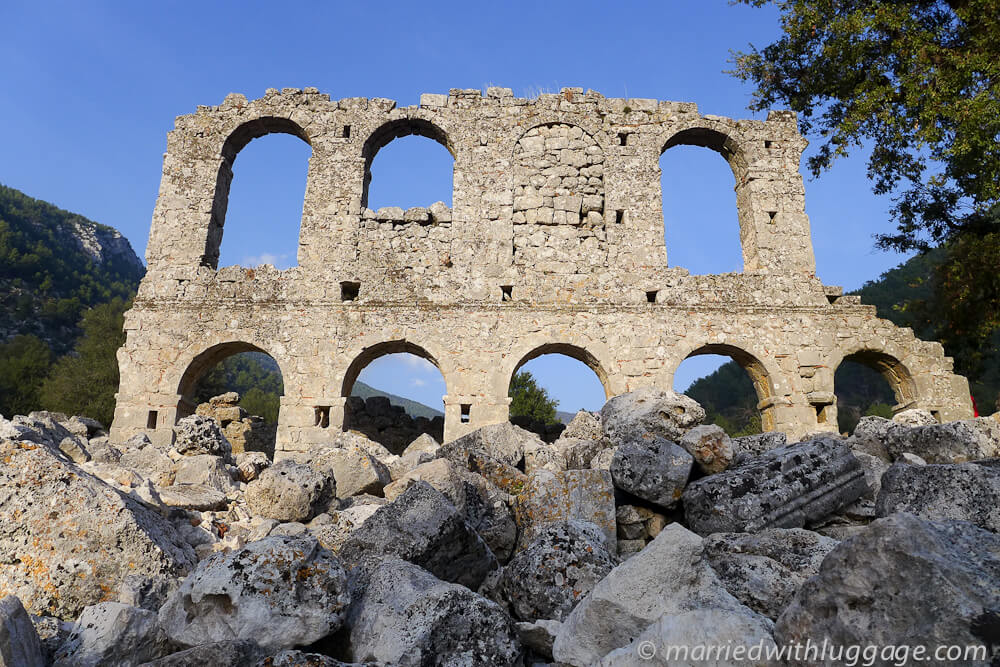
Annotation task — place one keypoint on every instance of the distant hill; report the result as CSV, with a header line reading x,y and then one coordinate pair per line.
x,y
53,266
413,408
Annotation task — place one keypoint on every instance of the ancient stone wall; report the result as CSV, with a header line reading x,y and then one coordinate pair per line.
x,y
554,243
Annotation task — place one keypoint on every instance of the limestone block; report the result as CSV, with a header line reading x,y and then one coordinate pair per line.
x,y
966,492
584,495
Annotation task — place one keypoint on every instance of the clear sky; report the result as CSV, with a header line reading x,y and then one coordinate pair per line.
x,y
89,91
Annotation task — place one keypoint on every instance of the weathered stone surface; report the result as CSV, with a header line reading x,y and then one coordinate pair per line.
x,y
874,468
67,539
230,653
146,592
422,526
19,643
503,442
423,444
407,617
112,634
577,453
711,448
870,437
584,495
951,442
965,491
206,469
52,632
554,572
201,435
651,468
354,470
902,581
290,658
783,488
630,417
543,457
484,507
670,576
289,491
332,528
250,464
192,497
149,460
280,592
584,426
538,636
673,638
764,570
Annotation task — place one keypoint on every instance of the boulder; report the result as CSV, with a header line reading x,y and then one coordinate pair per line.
x,y
764,570
503,442
289,491
577,453
19,643
554,572
52,633
543,457
354,470
584,426
651,468
711,448
585,495
951,442
914,417
230,653
250,464
207,470
192,497
146,592
964,491
484,507
197,434
902,581
280,592
148,460
670,576
291,658
783,488
112,634
423,444
75,448
332,528
538,636
422,526
870,437
677,639
874,468
68,539
407,617
630,417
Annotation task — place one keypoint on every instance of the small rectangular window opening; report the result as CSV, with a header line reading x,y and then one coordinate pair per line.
x,y
322,413
151,419
619,216
349,291
821,414
466,412
506,292
623,138
937,415
651,296
767,143
771,215
347,132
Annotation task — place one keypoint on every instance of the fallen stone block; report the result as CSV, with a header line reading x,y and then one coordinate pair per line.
x,y
112,634
630,417
965,491
289,491
651,468
584,495
19,643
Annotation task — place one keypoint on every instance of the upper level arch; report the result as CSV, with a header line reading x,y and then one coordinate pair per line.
x,y
395,129
888,365
717,139
236,141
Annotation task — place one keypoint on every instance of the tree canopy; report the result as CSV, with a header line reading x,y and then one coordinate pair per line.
x,y
530,400
918,84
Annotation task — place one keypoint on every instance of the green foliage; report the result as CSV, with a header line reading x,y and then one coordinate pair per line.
x,y
46,280
254,375
24,362
84,381
919,82
729,399
531,401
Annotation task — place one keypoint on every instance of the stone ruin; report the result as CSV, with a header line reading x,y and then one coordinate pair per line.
x,y
554,244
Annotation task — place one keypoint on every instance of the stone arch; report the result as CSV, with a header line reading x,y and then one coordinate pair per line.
x,y
889,366
592,354
763,379
234,143
206,360
394,129
370,353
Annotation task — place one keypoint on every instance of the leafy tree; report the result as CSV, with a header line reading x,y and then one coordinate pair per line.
x,y
919,82
24,362
531,401
84,381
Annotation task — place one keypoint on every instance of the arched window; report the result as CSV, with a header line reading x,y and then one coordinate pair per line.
x,y
408,163
700,212
869,383
395,393
257,212
250,417
729,383
551,384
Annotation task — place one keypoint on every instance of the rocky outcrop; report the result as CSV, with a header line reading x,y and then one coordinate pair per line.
x,y
69,539
783,488
630,417
902,581
279,592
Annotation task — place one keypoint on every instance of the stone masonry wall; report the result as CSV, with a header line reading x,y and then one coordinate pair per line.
x,y
554,243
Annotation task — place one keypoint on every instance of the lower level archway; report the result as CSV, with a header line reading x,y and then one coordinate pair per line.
x,y
870,383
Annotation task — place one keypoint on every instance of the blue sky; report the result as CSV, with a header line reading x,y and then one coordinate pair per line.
x,y
91,89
